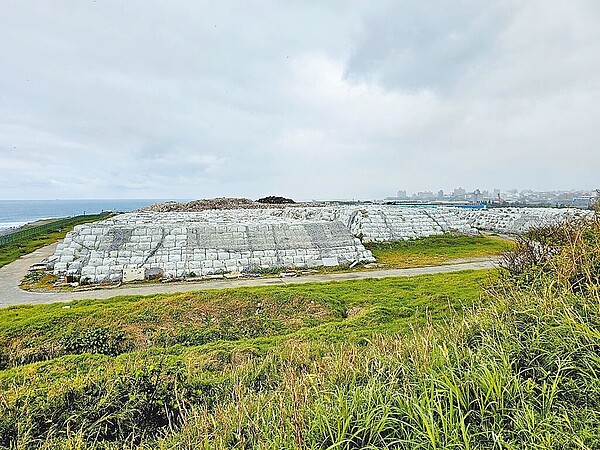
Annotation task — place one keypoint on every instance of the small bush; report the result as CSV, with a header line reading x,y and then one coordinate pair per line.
x,y
130,406
95,340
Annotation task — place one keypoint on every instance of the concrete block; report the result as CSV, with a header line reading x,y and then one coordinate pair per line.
x,y
116,277
133,274
60,267
330,261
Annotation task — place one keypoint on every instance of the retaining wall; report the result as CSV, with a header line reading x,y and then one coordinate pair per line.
x,y
219,241
102,251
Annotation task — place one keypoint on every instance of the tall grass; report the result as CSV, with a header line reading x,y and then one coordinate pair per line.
x,y
519,371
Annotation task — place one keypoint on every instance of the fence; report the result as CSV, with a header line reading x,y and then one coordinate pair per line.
x,y
54,226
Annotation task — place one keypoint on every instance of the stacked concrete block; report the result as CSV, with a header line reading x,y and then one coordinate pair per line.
x,y
388,223
191,245
517,220
393,223
219,241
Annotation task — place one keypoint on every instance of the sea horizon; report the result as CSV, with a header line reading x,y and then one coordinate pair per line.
x,y
17,213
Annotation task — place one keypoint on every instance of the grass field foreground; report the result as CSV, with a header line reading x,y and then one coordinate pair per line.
x,y
336,312
435,250
60,362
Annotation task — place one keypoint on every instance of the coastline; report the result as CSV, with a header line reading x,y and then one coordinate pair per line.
x,y
12,227
16,214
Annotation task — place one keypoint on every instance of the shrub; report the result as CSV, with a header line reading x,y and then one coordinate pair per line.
x,y
129,406
95,340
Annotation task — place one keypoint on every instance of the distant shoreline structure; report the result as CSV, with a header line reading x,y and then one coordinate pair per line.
x,y
15,214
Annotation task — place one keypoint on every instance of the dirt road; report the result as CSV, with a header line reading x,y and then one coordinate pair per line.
x,y
11,275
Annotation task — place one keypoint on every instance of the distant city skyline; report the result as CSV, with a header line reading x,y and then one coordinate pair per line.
x,y
513,190
574,197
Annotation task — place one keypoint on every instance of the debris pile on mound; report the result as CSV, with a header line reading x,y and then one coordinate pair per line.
x,y
203,205
274,200
224,203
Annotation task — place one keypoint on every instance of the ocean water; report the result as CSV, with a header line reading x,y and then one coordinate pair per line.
x,y
15,213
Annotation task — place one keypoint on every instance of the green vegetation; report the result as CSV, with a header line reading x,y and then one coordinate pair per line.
x,y
387,364
260,316
40,280
29,239
434,250
130,367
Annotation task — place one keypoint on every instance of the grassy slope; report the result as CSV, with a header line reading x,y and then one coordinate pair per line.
x,y
14,250
337,312
434,250
193,341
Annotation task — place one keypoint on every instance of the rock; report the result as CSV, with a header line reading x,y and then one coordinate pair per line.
x,y
232,275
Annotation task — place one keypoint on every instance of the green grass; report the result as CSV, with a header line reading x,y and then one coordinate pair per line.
x,y
52,354
435,250
338,311
32,238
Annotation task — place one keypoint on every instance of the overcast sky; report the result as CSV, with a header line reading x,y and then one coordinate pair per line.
x,y
306,99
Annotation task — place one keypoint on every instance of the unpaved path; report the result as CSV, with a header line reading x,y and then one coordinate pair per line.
x,y
11,275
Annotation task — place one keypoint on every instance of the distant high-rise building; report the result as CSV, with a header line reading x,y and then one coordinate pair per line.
x,y
459,193
401,194
440,194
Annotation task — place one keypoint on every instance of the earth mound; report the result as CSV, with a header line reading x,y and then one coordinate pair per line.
x,y
274,200
203,205
224,203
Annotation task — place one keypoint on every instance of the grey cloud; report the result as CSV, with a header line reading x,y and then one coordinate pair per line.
x,y
427,45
